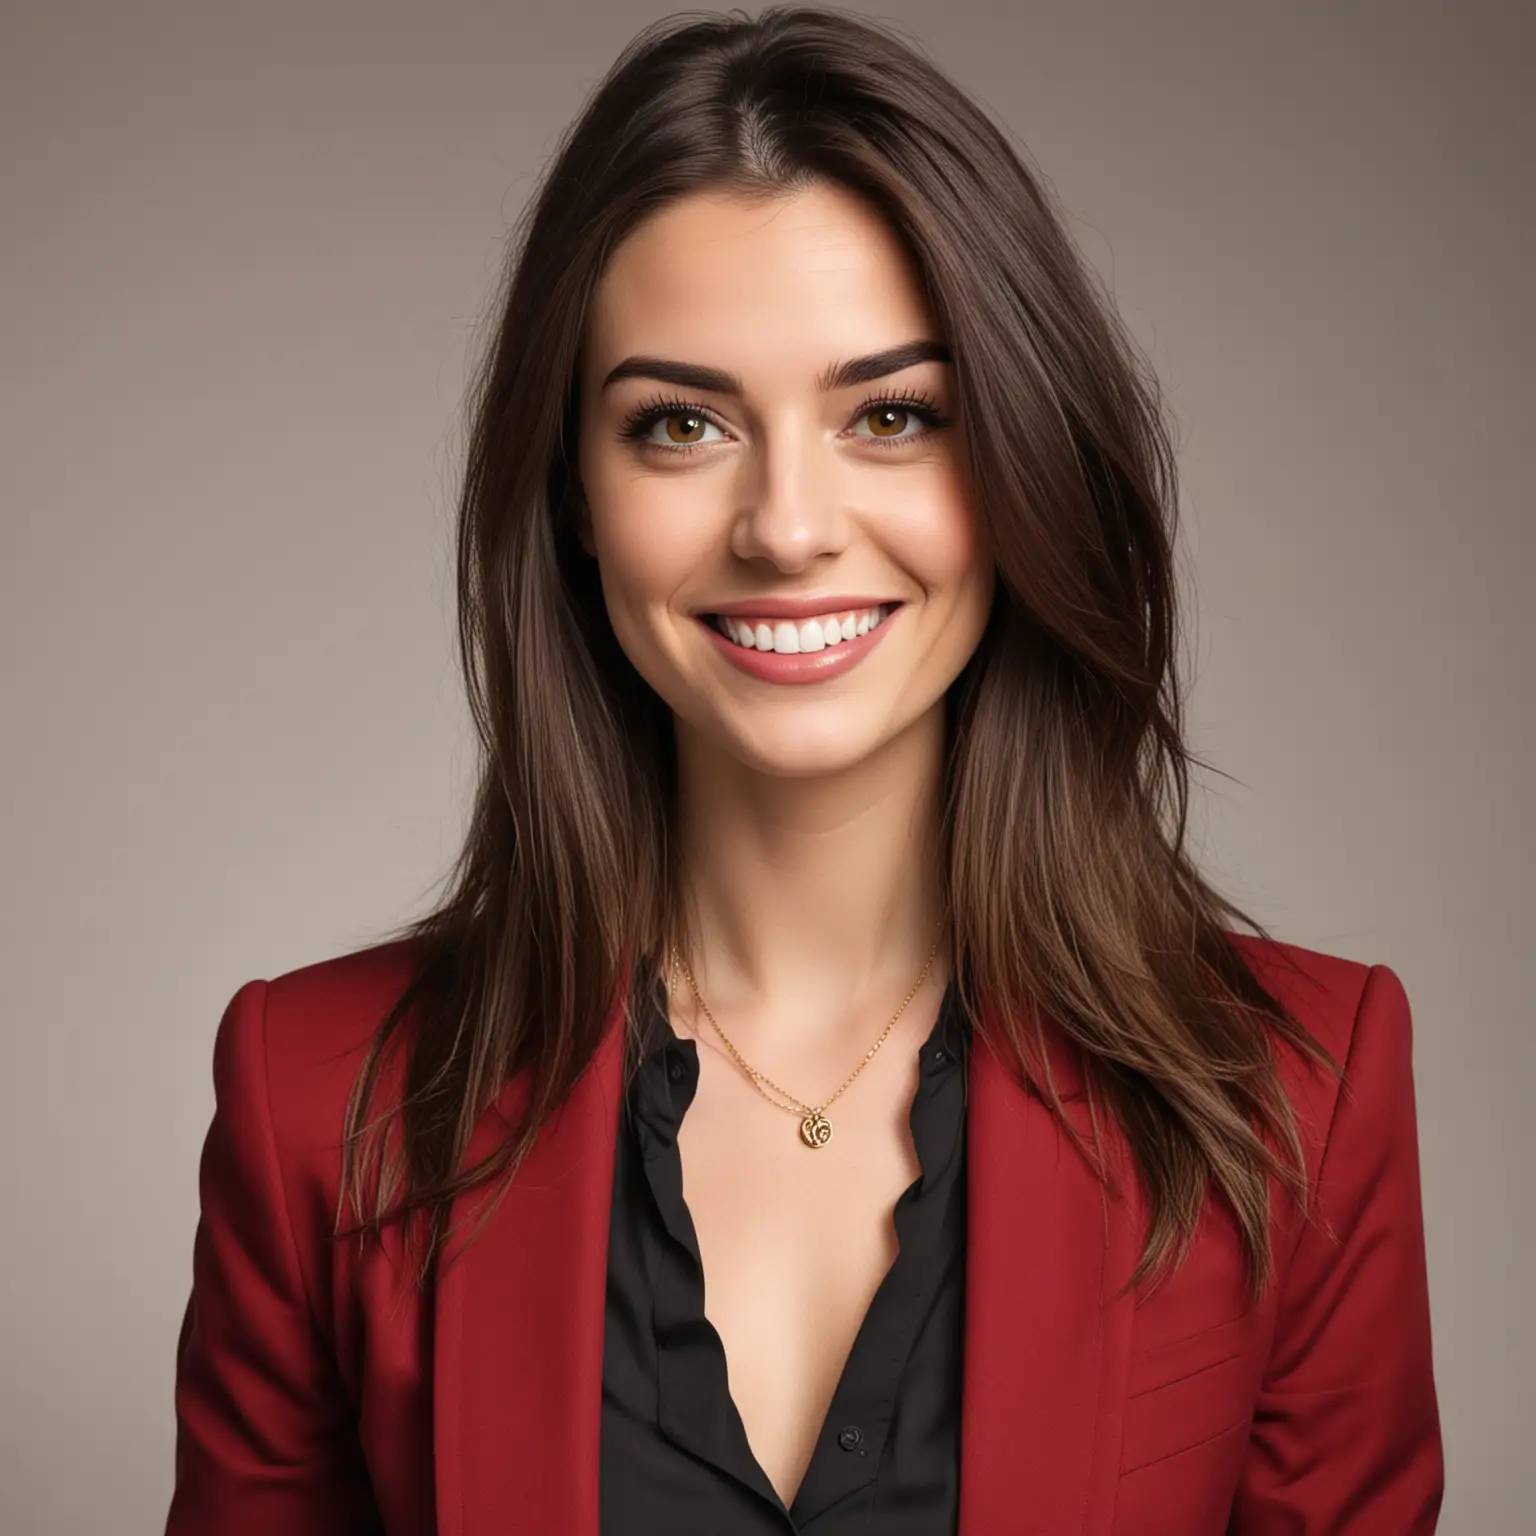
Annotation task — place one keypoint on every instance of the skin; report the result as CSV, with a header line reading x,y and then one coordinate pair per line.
x,y
807,812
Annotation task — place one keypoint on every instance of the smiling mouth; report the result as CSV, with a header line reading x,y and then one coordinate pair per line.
x,y
793,637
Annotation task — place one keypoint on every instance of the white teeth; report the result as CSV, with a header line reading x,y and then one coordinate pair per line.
x,y
790,639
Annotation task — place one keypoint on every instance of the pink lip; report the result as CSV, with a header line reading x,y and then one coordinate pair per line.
x,y
807,666
810,605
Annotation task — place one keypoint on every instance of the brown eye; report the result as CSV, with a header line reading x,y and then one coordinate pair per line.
x,y
685,425
888,419
691,432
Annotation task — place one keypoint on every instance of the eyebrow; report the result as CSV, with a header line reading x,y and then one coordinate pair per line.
x,y
719,381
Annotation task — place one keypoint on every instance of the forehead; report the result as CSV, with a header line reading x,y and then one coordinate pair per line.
x,y
765,287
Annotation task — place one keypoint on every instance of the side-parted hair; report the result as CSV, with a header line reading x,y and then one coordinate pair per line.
x,y
1064,869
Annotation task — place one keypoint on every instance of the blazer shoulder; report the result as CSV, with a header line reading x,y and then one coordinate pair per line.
x,y
289,1050
1358,1012
332,1007
1323,991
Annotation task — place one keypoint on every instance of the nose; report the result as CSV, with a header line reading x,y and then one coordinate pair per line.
x,y
792,513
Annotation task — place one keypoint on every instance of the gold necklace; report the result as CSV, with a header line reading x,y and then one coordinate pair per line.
x,y
815,1128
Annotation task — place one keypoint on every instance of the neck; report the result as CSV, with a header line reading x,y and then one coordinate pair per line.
x,y
811,903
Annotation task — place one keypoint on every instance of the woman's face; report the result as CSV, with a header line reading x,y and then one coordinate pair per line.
x,y
781,519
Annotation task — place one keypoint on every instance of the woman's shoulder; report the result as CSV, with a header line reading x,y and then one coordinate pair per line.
x,y
287,1052
1358,1011
1323,990
1326,992
322,1017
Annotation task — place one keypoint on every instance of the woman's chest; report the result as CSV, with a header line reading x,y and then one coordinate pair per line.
x,y
794,1244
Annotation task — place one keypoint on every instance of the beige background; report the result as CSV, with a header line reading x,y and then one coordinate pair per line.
x,y
244,248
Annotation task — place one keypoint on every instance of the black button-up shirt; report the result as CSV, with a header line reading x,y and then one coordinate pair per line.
x,y
675,1458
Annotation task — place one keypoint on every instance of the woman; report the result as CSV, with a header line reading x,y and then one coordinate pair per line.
x,y
824,928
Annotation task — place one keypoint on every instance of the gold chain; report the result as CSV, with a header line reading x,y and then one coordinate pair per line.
x,y
815,1128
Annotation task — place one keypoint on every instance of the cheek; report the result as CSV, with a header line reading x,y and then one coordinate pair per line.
x,y
652,543
942,544
647,543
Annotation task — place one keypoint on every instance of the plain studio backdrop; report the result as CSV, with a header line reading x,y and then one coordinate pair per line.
x,y
245,250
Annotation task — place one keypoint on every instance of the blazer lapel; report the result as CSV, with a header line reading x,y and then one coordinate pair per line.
x,y
518,1334
1047,1346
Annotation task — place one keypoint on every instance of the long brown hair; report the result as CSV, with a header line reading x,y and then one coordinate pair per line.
x,y
1066,781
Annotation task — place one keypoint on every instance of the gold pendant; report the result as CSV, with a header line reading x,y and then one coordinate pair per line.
x,y
815,1129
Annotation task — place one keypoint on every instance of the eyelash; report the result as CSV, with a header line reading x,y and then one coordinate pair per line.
x,y
646,415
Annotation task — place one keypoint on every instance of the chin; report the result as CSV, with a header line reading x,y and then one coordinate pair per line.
x,y
805,750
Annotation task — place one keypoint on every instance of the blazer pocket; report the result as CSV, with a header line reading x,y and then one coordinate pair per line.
x,y
1168,1360
1186,1392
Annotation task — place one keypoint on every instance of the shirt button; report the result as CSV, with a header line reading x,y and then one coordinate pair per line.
x,y
850,1438
676,1070
938,1055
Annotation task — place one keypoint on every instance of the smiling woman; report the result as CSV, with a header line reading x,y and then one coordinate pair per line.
x,y
818,617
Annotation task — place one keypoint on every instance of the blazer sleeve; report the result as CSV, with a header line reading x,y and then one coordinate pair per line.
x,y
1346,1430
265,1435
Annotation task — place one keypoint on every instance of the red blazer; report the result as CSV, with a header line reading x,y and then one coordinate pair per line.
x,y
315,1396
